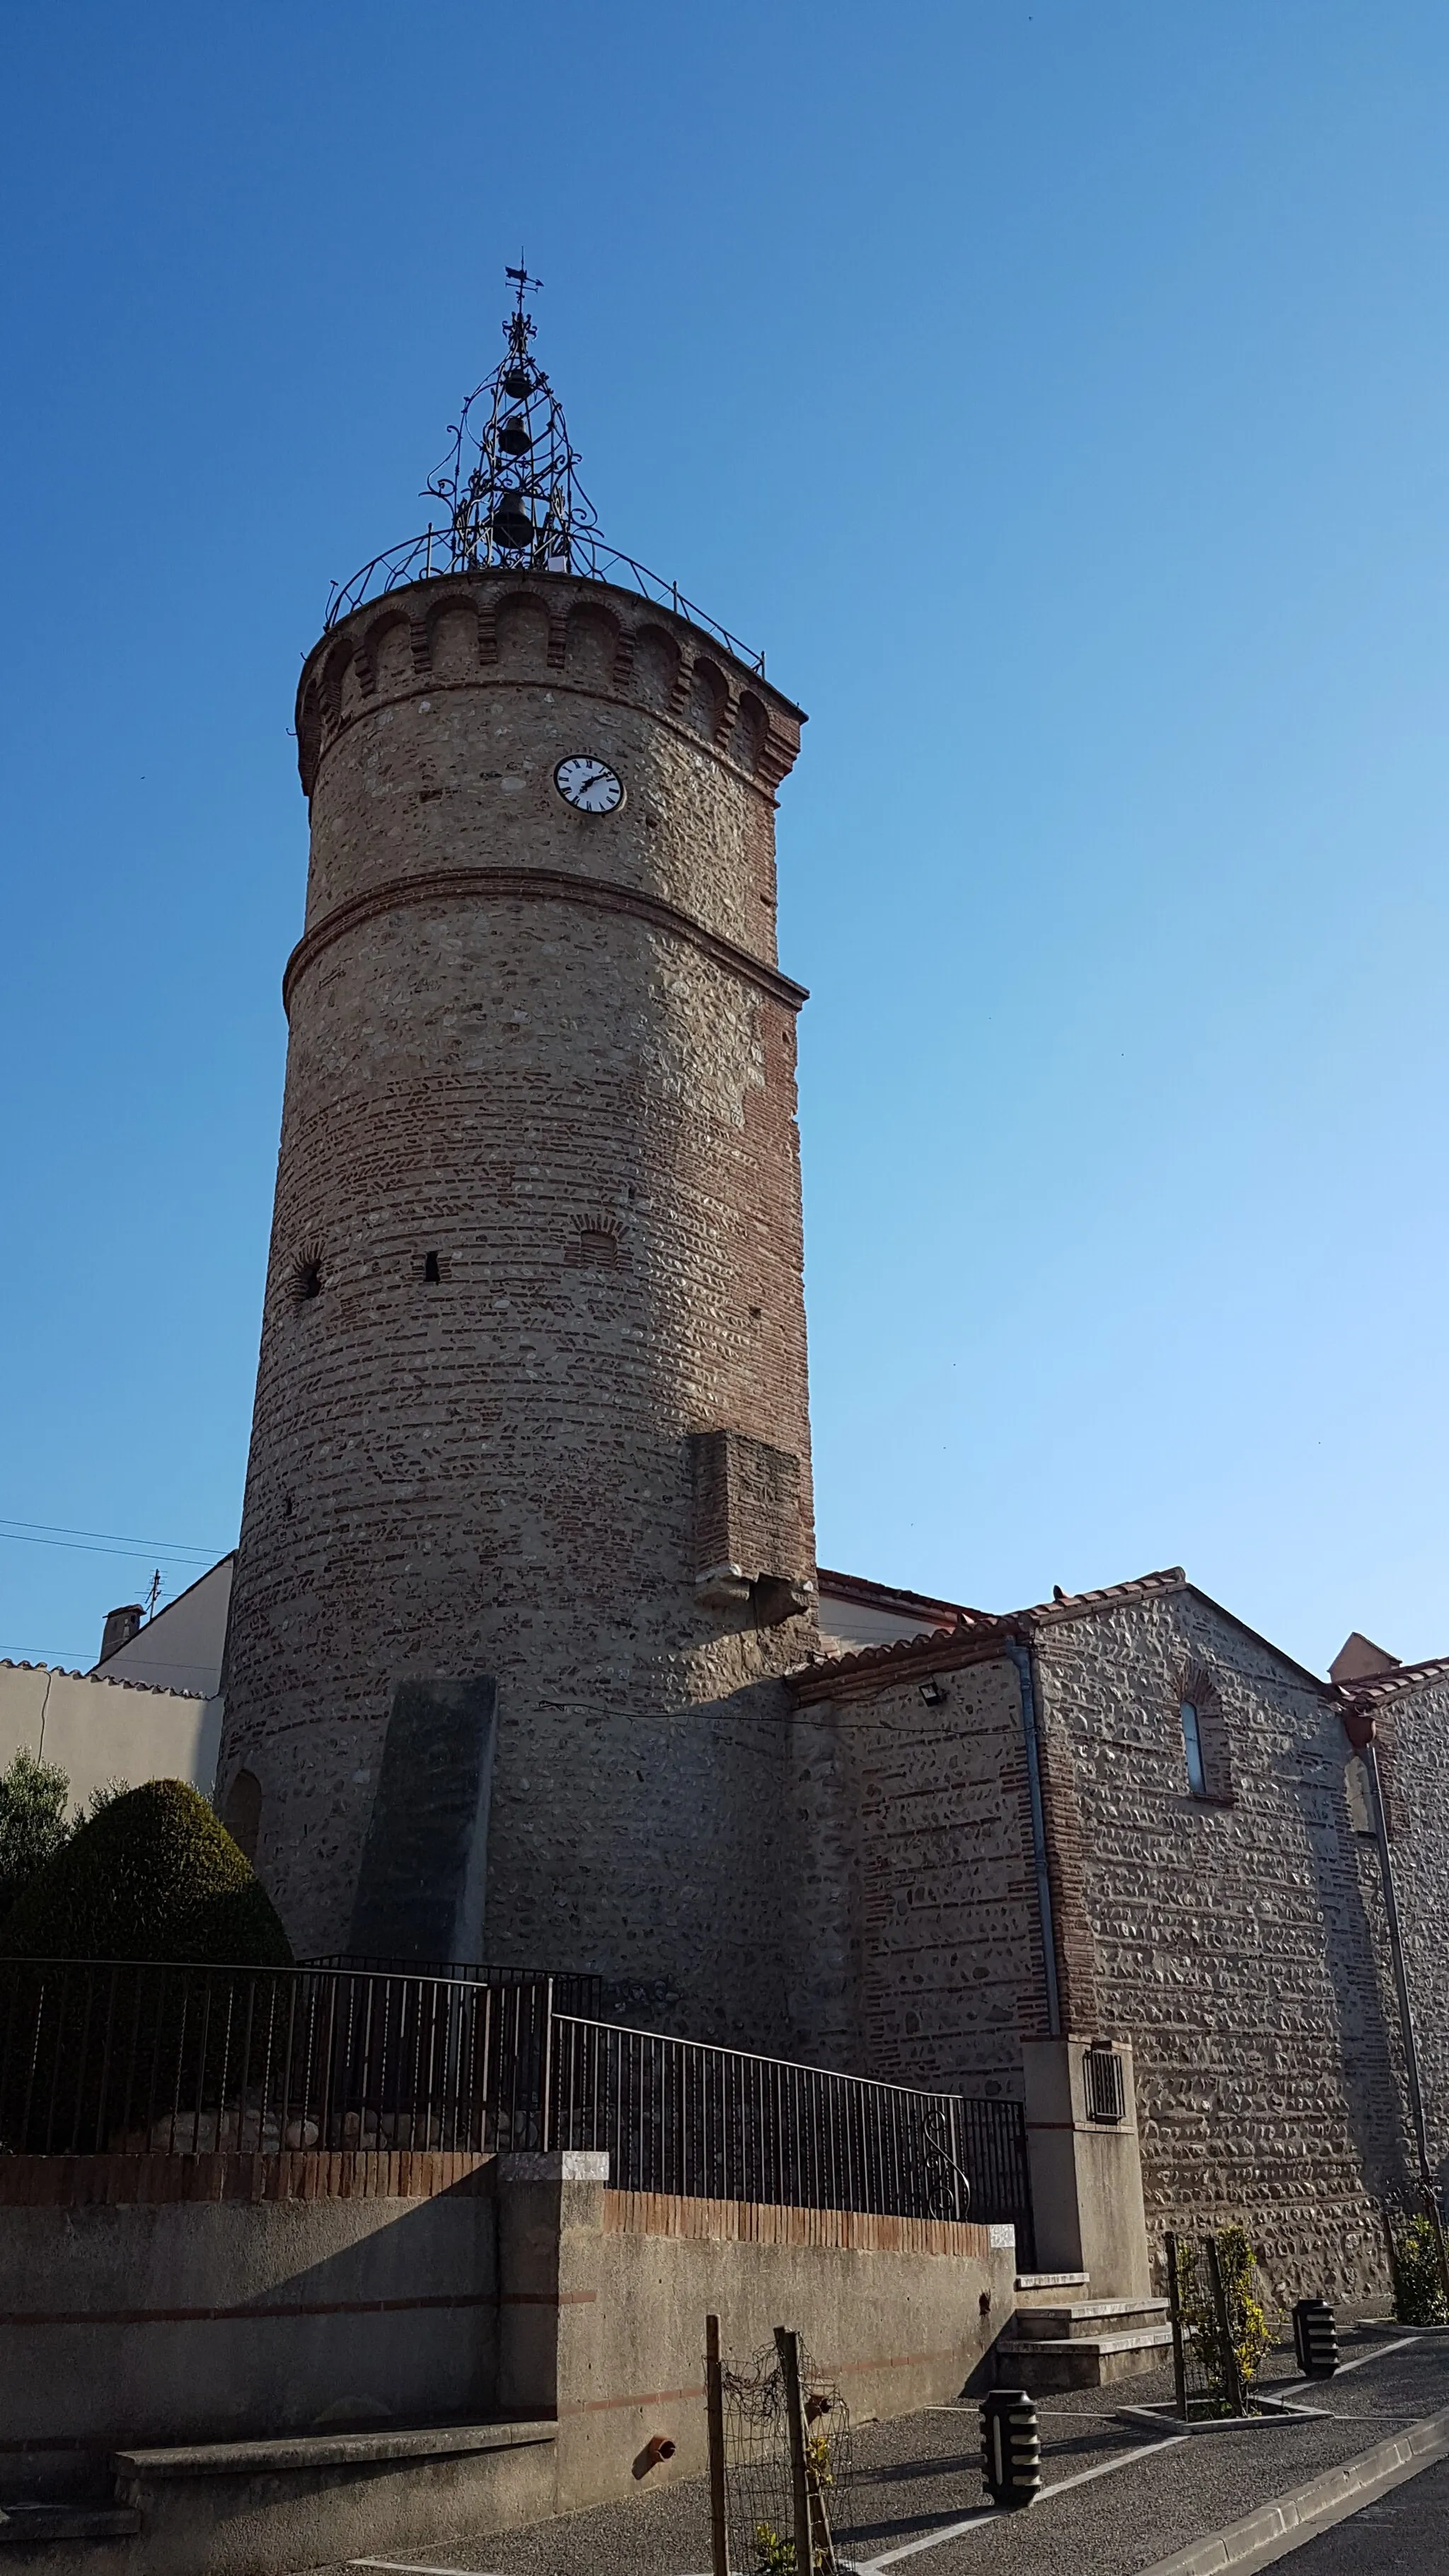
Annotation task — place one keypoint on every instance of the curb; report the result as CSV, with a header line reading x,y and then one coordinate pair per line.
x,y
1290,2520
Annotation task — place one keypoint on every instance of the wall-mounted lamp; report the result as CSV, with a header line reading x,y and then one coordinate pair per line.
x,y
932,1693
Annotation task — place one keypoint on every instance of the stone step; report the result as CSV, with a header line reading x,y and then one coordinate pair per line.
x,y
1086,2319
1079,2361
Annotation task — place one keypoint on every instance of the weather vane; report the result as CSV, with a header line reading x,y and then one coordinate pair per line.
x,y
510,480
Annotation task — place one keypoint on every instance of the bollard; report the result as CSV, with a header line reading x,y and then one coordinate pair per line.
x,y
1010,2447
1315,2338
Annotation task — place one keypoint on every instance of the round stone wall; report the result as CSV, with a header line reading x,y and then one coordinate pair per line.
x,y
537,1233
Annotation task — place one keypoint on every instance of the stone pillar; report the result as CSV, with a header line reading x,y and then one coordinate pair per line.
x,y
544,2203
1086,2171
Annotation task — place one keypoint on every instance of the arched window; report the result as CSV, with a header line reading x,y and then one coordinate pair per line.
x,y
241,1812
1192,1746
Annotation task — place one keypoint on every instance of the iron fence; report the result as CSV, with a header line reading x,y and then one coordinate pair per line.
x,y
139,2057
677,2115
435,554
993,2151
573,1991
135,2058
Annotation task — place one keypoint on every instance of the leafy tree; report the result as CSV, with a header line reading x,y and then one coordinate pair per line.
x,y
33,1824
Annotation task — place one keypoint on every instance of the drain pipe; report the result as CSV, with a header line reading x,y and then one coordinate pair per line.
x,y
1025,1663
1360,1726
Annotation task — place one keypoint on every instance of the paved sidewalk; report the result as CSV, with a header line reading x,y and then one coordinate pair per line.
x,y
1127,2494
1406,2533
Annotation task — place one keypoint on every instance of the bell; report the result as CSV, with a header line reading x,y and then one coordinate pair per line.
x,y
517,383
513,437
511,523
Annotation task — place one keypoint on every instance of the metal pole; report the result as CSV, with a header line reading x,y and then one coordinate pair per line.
x,y
719,2547
1406,2018
787,2344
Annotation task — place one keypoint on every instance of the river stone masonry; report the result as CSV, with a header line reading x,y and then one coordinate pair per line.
x,y
537,1245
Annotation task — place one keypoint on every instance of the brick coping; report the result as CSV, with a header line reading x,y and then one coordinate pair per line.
x,y
735,2222
114,2181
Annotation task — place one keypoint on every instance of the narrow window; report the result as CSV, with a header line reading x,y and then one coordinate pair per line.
x,y
431,1273
1192,1745
242,1812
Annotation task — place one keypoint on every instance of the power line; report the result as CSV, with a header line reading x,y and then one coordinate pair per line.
x,y
103,1542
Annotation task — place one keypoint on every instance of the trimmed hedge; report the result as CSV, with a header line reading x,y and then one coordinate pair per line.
x,y
155,1875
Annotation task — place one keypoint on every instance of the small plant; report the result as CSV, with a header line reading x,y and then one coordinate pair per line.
x,y
1248,2320
1250,2331
773,2556
1418,2288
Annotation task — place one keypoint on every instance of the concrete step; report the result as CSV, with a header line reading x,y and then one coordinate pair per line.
x,y
1040,2289
1085,2320
321,2499
1040,2364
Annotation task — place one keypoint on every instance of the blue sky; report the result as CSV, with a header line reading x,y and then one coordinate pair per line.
x,y
1059,393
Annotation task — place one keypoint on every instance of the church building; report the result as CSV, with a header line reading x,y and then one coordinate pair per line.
x,y
529,1659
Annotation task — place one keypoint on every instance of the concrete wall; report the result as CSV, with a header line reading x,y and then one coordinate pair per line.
x,y
242,2296
185,2302
606,2295
107,1730
1086,2174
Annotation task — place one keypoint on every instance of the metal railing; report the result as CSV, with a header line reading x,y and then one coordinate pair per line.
x,y
433,556
573,1991
137,2058
676,2115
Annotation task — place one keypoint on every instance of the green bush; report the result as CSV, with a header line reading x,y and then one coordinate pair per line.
x,y
1418,2285
153,1875
33,1825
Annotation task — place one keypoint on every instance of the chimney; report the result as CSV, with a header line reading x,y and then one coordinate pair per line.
x,y
121,1626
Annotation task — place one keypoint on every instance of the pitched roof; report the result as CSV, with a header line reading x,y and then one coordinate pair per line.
x,y
890,1596
976,1634
1404,1677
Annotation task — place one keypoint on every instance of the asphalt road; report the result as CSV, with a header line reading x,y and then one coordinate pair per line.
x,y
1405,2534
1123,2499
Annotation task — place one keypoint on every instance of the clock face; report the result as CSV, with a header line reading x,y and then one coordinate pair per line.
x,y
589,785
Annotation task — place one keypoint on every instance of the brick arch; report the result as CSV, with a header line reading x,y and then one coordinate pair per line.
x,y
708,698
750,728
309,736
385,655
452,631
334,679
592,644
656,665
522,629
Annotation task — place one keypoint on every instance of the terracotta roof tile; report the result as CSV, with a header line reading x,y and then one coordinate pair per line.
x,y
1387,1685
977,1630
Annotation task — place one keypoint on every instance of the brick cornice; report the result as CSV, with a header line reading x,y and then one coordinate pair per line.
x,y
547,885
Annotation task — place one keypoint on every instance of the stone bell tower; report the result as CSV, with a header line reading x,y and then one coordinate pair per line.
x,y
527,1536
